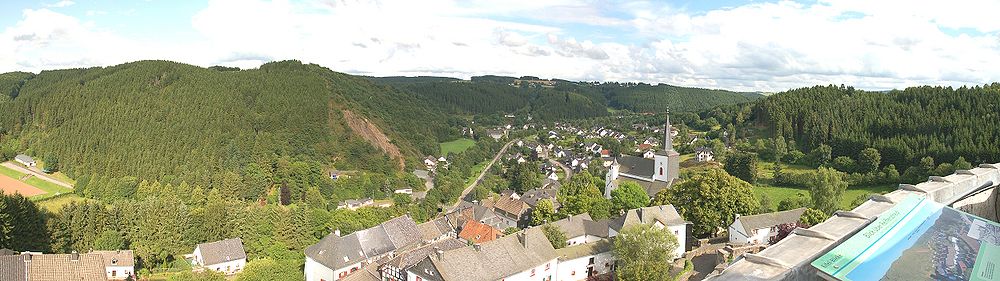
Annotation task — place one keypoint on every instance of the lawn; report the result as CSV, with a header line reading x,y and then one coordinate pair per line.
x,y
478,168
456,146
765,173
778,193
51,188
53,204
11,173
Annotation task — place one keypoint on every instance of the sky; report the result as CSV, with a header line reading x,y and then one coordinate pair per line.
x,y
764,46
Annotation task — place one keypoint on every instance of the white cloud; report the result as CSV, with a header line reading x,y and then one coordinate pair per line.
x,y
759,46
60,4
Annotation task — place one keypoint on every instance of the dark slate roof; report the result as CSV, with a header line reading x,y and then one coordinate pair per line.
x,y
402,231
406,260
596,228
664,214
222,251
531,197
337,252
495,260
637,166
12,268
573,226
770,219
116,258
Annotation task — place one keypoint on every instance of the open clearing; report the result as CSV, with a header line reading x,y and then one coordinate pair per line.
x,y
11,186
456,146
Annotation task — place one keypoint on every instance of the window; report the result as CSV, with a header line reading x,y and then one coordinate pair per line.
x,y
661,171
572,273
114,273
419,279
353,269
532,272
546,267
342,274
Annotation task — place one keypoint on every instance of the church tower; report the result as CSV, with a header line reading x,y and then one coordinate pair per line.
x,y
667,161
609,179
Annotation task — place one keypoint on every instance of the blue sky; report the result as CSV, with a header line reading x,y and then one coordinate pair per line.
x,y
736,45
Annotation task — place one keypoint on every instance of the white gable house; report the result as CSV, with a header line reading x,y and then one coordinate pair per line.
x,y
758,229
226,256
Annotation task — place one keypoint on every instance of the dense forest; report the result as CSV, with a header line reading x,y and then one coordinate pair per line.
x,y
161,120
563,100
905,126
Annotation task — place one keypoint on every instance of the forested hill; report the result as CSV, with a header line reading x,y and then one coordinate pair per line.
x,y
558,99
156,119
904,125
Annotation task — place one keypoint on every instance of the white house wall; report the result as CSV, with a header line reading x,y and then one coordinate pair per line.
x,y
576,269
317,272
120,272
540,272
228,268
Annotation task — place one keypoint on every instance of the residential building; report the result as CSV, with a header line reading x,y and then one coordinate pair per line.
x,y
53,267
395,269
430,162
476,232
352,204
335,257
653,174
526,255
226,256
581,229
663,216
118,265
758,229
548,192
25,160
512,210
704,154
582,262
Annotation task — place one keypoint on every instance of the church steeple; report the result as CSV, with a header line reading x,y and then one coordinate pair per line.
x,y
668,139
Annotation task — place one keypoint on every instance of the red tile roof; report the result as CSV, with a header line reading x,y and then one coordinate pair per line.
x,y
477,232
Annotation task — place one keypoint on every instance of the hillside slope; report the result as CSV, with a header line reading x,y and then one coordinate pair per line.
x,y
165,120
559,99
904,125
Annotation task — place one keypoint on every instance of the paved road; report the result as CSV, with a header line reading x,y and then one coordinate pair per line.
x,y
567,170
481,175
36,174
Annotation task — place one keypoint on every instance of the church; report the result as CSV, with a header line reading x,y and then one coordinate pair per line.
x,y
653,172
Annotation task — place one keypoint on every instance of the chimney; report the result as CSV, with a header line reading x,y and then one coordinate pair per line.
x,y
439,252
523,238
27,256
478,247
74,256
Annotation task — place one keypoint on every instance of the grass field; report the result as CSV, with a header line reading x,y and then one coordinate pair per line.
x,y
10,172
478,168
765,174
51,189
456,146
53,204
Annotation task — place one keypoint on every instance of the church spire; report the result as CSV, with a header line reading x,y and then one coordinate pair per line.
x,y
668,139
